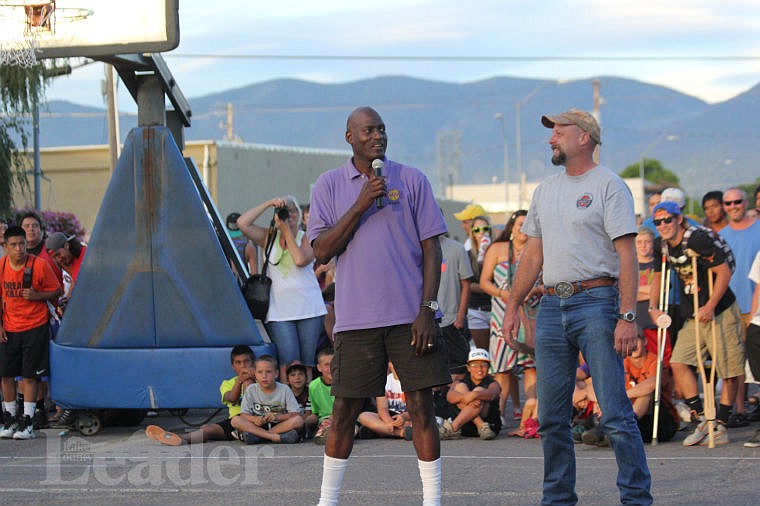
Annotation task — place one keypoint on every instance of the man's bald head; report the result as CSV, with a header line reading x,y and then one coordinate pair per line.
x,y
356,113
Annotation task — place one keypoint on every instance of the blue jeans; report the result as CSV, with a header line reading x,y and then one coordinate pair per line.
x,y
585,322
296,339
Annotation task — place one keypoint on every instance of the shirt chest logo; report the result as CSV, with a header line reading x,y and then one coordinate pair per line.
x,y
584,201
393,195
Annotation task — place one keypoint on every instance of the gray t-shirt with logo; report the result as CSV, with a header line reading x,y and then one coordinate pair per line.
x,y
577,218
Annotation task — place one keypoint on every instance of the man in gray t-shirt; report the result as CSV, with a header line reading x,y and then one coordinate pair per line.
x,y
581,229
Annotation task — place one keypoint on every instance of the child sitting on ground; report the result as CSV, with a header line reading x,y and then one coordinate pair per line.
x,y
232,393
392,418
269,411
475,401
320,396
296,373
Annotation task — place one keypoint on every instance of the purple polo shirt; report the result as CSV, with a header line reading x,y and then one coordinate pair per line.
x,y
379,275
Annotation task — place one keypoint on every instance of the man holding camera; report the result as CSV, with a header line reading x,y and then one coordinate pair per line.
x,y
26,284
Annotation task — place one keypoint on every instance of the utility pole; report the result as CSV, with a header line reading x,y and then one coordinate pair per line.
x,y
114,146
449,159
597,113
505,164
230,130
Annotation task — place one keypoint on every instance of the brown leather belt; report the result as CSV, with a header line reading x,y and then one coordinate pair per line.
x,y
565,289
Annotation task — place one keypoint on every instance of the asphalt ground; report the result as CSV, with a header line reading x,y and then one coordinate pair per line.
x,y
120,466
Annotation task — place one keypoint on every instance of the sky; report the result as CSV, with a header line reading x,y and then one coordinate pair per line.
x,y
707,49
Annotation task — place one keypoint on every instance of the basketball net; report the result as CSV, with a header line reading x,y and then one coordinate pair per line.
x,y
20,52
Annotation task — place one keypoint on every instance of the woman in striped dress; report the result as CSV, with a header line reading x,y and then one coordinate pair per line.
x,y
499,267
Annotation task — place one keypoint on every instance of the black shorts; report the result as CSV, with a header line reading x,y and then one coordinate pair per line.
x,y
753,350
360,364
26,353
227,427
459,348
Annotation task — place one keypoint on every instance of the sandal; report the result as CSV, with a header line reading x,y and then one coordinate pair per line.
x,y
162,436
531,429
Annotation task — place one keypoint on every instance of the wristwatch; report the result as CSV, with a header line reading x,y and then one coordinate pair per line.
x,y
628,316
430,304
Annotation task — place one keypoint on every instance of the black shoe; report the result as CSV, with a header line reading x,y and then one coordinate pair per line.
x,y
67,419
40,420
365,433
754,415
737,420
595,436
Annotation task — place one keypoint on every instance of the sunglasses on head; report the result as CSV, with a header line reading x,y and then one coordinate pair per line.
x,y
484,228
667,221
732,202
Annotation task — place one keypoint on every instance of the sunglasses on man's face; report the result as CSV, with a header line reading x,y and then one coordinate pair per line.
x,y
667,221
732,202
477,230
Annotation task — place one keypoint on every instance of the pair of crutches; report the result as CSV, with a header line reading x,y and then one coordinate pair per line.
x,y
663,322
708,387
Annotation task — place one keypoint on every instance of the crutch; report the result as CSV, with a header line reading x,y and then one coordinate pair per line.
x,y
707,387
710,412
663,322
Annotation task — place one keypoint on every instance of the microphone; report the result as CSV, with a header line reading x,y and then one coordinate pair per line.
x,y
377,166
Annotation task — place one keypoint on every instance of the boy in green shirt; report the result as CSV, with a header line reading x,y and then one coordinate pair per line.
x,y
319,395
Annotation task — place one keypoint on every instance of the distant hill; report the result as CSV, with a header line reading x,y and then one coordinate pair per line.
x,y
708,146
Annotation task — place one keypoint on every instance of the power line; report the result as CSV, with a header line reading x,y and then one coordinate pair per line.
x,y
338,57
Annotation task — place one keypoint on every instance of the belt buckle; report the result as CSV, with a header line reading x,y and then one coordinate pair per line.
x,y
564,289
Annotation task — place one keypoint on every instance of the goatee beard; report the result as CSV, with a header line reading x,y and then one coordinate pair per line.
x,y
559,158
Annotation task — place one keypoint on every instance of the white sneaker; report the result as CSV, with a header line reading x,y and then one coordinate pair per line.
x,y
699,432
720,436
9,426
25,430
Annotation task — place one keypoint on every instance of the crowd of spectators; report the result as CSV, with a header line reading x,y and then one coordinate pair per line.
x,y
486,372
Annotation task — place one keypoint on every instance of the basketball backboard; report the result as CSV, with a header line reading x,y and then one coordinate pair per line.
x,y
70,28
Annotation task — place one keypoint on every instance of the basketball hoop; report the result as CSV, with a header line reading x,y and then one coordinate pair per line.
x,y
21,50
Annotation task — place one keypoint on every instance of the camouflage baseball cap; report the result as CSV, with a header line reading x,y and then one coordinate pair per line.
x,y
581,119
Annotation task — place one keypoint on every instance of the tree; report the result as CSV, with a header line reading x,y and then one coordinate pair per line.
x,y
749,189
653,171
20,89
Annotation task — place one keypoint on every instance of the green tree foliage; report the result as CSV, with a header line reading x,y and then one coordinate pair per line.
x,y
749,189
20,89
653,172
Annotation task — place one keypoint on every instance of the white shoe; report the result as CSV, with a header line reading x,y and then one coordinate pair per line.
x,y
9,426
25,430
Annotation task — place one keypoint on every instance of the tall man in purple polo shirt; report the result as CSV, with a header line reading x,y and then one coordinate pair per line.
x,y
387,265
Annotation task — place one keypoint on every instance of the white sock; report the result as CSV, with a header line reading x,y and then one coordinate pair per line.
x,y
332,479
430,474
10,407
29,408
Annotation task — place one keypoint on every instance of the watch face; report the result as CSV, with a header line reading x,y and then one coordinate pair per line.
x,y
434,306
630,316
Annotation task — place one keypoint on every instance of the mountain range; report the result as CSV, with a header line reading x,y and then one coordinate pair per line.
x,y
709,146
